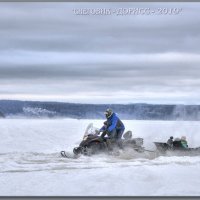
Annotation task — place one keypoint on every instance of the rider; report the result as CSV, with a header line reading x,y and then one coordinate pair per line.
x,y
170,141
184,142
113,127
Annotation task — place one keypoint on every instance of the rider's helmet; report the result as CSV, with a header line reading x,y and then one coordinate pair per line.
x,y
177,139
108,113
183,138
171,137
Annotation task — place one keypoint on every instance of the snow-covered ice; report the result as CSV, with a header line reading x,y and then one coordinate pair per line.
x,y
30,163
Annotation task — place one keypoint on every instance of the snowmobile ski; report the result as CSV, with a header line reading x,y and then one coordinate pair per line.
x,y
68,155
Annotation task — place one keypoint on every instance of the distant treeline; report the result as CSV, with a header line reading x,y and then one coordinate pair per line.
x,y
2,115
13,108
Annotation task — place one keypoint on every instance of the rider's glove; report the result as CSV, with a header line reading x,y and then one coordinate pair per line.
x,y
103,134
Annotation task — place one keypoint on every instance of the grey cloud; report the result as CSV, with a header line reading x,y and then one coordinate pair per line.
x,y
47,50
57,29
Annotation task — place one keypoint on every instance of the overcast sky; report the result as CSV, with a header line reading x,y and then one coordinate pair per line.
x,y
47,52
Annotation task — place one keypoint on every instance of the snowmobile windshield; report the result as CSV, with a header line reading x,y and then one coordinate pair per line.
x,y
90,130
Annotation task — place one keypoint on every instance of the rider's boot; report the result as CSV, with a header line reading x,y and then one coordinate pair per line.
x,y
120,144
109,145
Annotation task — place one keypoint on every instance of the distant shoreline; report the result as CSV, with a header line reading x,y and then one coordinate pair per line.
x,y
138,111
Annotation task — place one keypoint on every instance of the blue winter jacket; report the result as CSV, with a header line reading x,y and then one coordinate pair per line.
x,y
113,122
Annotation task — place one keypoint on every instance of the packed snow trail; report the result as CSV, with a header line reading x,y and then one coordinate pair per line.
x,y
30,161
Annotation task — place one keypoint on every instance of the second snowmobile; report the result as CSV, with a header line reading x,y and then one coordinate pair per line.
x,y
176,149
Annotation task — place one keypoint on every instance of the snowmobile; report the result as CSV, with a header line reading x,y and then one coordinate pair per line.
x,y
92,143
176,149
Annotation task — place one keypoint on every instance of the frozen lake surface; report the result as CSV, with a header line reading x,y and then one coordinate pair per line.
x,y
30,163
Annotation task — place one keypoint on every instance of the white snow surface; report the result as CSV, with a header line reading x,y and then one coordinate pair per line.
x,y
31,165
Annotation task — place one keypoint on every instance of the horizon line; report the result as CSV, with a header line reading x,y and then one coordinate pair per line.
x,y
54,101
